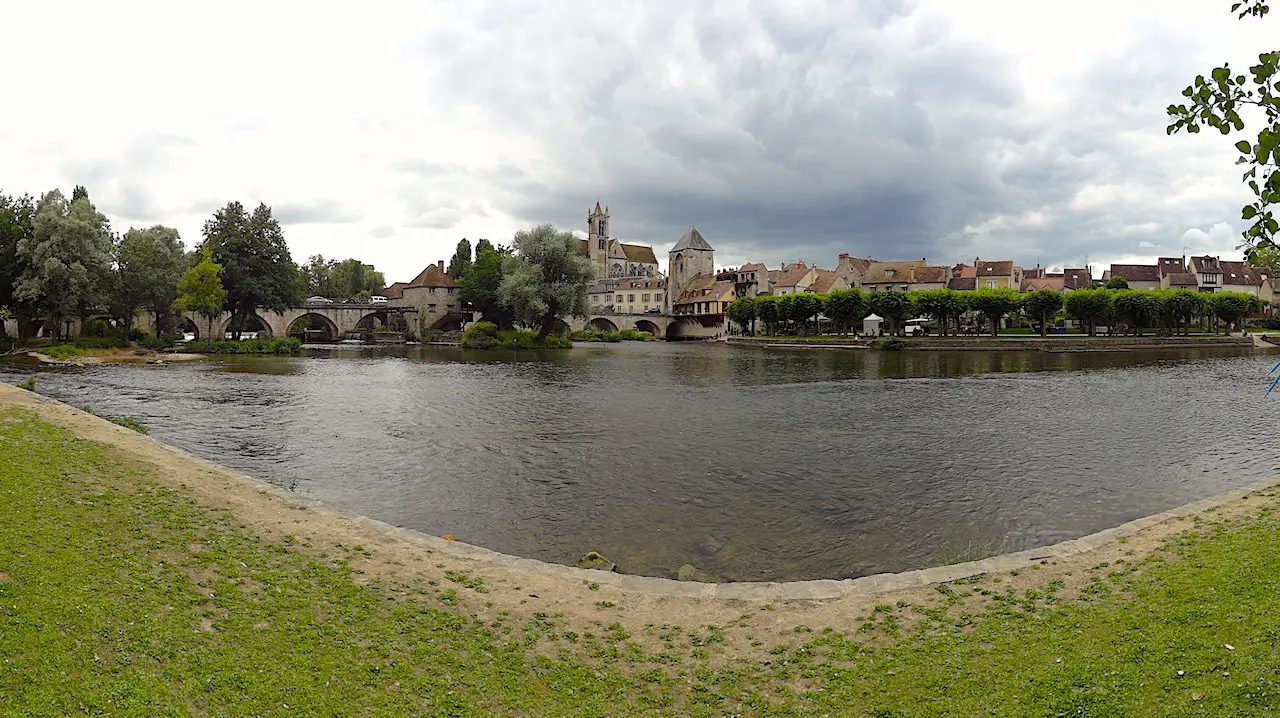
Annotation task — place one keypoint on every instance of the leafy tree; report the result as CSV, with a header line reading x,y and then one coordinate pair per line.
x,y
892,305
149,265
480,285
941,304
1217,101
846,307
66,262
786,311
353,278
317,276
257,270
768,311
1182,306
200,291
995,303
17,222
545,279
1042,304
1087,306
1137,308
742,311
805,306
1266,257
1232,307
1117,282
461,261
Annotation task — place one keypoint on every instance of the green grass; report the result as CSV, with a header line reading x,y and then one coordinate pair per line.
x,y
595,335
121,597
286,346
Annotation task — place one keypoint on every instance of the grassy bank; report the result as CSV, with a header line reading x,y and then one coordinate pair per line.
x,y
122,595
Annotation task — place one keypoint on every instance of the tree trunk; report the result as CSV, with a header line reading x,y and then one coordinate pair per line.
x,y
1044,325
995,325
544,331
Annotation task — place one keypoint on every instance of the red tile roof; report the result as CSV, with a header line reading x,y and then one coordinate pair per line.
x,y
1034,284
993,269
930,275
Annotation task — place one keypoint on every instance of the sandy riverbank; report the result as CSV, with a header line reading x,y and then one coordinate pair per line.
x,y
755,616
116,356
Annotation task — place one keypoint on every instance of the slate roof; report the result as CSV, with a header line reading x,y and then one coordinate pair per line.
x,y
1035,284
1182,279
1137,272
642,253
395,291
1207,264
1076,279
1240,274
822,283
993,269
1170,265
692,239
962,284
930,275
432,276
642,284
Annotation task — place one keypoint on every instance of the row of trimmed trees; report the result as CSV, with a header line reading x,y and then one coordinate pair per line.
x,y
1133,309
60,260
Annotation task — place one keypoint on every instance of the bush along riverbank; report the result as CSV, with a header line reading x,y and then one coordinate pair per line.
x,y
168,601
486,335
626,335
284,347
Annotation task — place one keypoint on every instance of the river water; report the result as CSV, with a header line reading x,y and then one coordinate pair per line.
x,y
752,464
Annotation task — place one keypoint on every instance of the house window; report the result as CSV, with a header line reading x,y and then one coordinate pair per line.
x,y
431,290
991,284
618,299
645,298
595,299
631,297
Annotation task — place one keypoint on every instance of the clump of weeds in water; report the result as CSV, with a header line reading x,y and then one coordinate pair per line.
x,y
28,384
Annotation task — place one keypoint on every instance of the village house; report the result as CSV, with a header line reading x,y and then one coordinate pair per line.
x,y
792,278
434,295
880,276
997,275
851,269
826,281
751,280
1137,276
1208,273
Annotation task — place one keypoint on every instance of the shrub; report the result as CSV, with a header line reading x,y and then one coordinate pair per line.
x,y
892,344
485,335
6,342
108,342
1264,323
163,341
128,423
29,384
62,352
282,347
595,335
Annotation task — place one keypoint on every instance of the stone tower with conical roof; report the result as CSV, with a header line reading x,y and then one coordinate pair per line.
x,y
691,256
598,237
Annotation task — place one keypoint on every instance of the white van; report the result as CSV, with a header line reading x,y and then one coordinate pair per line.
x,y
378,300
914,327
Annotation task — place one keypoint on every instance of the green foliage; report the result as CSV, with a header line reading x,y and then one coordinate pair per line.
x,y
201,291
28,384
486,335
769,312
1136,308
17,222
1087,306
803,306
1232,307
149,263
345,279
257,270
892,343
128,422
480,284
742,311
941,304
1117,282
995,304
287,346
1217,102
894,306
846,307
460,262
66,262
113,341
595,335
62,352
545,279
1042,304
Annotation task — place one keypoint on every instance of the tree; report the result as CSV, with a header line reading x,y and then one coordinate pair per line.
x,y
480,284
941,304
1117,282
353,278
742,311
803,307
1217,102
1232,307
17,222
257,270
545,279
66,262
1137,308
461,260
1042,304
1087,305
200,291
149,265
995,303
892,305
1182,306
317,276
768,311
846,307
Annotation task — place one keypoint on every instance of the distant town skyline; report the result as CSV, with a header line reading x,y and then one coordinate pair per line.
x,y
889,129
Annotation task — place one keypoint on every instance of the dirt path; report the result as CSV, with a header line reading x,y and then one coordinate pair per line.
x,y
534,591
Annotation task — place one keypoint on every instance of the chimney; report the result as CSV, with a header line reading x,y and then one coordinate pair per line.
x,y
440,264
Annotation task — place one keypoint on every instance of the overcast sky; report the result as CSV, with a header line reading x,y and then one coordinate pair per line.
x,y
784,129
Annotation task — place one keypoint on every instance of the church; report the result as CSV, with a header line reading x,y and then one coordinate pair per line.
x,y
613,258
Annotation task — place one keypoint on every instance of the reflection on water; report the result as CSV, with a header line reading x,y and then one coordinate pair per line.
x,y
752,464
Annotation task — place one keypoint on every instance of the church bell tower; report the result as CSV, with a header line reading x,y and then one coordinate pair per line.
x,y
598,237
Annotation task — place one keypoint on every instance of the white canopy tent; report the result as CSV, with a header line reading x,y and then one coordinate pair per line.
x,y
871,325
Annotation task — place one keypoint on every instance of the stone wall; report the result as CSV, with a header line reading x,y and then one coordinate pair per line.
x,y
1073,344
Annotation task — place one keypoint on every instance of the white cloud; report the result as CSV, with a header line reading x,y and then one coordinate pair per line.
x,y
389,131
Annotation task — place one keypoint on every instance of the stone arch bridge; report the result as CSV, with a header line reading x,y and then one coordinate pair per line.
x,y
664,326
328,322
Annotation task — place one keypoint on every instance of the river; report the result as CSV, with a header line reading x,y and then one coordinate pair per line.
x,y
752,464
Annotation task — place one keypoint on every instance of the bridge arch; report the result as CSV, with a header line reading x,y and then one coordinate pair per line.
x,y
312,327
645,325
675,330
252,323
189,326
370,321
602,324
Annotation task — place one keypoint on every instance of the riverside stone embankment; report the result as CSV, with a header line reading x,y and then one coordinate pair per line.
x,y
1049,344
